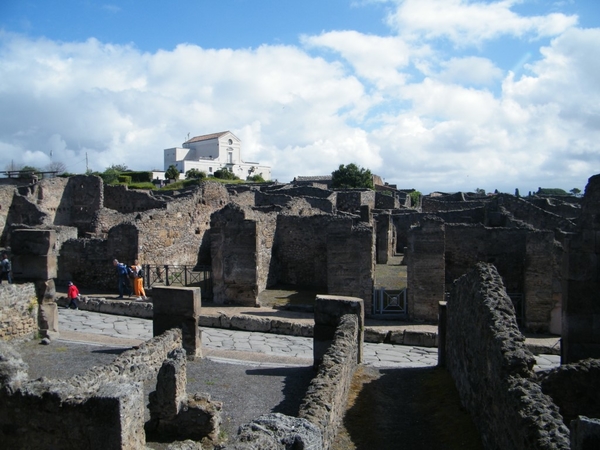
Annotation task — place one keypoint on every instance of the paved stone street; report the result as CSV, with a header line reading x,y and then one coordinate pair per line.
x,y
114,330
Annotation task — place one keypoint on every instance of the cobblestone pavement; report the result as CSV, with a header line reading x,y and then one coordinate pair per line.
x,y
75,325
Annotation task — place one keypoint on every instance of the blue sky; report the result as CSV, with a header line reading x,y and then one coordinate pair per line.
x,y
447,95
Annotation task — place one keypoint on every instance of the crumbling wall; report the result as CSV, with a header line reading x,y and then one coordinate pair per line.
x,y
433,205
493,370
7,193
325,401
124,200
18,311
575,388
527,212
100,409
387,200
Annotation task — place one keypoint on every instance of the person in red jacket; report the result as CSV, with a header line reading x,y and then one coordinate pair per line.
x,y
73,296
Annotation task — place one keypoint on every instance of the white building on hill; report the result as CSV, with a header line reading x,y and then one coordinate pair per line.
x,y
212,152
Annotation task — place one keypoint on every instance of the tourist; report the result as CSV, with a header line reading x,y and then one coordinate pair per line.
x,y
138,281
6,269
122,274
73,296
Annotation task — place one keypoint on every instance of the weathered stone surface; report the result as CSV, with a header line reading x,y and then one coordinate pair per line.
x,y
488,360
575,388
48,320
277,432
18,310
325,401
178,308
376,336
585,433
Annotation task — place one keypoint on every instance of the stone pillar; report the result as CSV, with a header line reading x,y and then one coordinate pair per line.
x,y
35,259
442,320
328,311
178,307
539,277
384,238
426,268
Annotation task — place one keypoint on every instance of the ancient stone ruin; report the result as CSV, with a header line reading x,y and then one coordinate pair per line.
x,y
502,265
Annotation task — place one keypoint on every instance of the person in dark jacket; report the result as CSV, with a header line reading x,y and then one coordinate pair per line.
x,y
123,275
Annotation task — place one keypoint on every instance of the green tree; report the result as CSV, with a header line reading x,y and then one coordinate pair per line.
x,y
575,192
352,176
195,174
415,197
172,173
480,191
225,174
256,178
517,192
111,174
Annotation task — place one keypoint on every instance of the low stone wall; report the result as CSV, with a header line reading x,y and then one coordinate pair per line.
x,y
100,409
325,401
492,368
18,310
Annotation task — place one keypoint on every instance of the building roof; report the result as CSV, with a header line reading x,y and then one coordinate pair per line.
x,y
206,137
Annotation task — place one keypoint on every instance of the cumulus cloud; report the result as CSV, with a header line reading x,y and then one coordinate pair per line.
x,y
467,22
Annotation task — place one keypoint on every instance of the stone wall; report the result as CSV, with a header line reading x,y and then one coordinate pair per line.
x,y
492,368
175,235
575,388
234,253
102,408
433,205
527,212
581,308
18,311
124,200
351,260
300,250
386,201
352,199
325,401
528,261
385,237
7,193
425,269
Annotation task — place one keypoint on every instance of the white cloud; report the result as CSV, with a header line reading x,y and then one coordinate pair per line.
x,y
459,124
467,23
471,70
376,58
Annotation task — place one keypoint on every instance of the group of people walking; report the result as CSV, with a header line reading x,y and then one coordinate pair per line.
x,y
130,279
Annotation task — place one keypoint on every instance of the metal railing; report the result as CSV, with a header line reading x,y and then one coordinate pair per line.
x,y
179,275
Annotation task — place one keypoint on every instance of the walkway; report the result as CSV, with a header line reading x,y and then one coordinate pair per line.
x,y
121,331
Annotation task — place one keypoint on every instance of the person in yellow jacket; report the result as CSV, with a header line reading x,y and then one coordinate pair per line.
x,y
138,280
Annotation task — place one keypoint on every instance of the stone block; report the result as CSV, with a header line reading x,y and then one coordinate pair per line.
x,y
375,335
33,242
397,337
585,433
178,308
420,339
181,301
32,267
